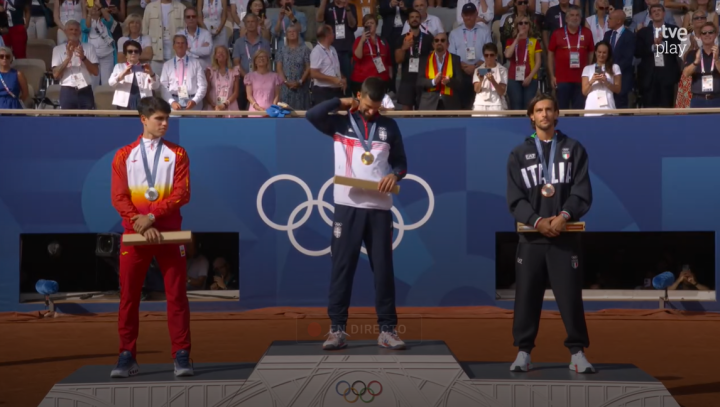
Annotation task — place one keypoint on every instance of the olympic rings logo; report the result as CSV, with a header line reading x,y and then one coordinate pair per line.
x,y
358,393
292,224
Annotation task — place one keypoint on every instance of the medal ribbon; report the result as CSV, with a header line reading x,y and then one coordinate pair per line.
x,y
368,139
547,167
150,175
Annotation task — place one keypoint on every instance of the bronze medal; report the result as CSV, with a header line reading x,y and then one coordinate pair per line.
x,y
548,190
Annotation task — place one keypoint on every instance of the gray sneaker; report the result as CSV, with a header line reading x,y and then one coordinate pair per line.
x,y
335,340
183,367
522,363
126,366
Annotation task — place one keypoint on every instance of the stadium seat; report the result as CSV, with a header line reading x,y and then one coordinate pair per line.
x,y
52,31
103,97
42,49
29,102
34,70
51,99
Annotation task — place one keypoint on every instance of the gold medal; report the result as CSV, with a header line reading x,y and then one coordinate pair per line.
x,y
548,190
367,158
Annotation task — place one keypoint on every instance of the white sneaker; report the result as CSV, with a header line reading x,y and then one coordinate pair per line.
x,y
579,364
390,340
522,363
335,340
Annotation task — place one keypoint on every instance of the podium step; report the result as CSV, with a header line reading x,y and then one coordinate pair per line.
x,y
301,374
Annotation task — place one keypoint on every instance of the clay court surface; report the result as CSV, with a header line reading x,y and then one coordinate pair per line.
x,y
678,348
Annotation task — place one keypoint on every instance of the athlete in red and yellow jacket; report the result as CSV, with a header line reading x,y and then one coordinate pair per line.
x,y
150,182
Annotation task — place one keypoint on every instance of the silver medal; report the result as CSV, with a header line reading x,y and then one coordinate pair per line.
x,y
152,194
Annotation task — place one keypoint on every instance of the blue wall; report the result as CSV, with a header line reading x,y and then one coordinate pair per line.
x,y
649,174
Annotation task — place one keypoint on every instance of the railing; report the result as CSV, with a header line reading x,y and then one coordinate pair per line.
x,y
392,113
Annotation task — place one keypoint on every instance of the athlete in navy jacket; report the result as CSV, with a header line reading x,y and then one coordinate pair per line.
x,y
367,146
547,200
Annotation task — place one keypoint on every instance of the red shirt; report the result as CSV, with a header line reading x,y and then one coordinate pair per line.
x,y
365,67
521,56
559,45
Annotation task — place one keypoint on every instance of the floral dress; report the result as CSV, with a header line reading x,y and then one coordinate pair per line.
x,y
294,61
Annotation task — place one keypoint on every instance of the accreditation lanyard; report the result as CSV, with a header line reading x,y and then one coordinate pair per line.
x,y
474,37
180,79
419,48
343,17
196,38
377,42
12,95
527,45
150,175
546,165
366,141
702,64
567,38
560,18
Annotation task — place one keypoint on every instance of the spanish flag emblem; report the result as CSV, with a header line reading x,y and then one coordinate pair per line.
x,y
167,159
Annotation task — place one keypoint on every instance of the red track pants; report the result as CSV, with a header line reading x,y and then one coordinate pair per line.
x,y
16,38
134,264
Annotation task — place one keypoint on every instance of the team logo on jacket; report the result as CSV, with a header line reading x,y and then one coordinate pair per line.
x,y
167,159
574,262
382,133
337,230
530,156
182,250
566,153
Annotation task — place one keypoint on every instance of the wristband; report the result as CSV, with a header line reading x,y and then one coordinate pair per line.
x,y
565,214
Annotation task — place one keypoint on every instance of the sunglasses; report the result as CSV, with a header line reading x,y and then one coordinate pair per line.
x,y
133,51
523,23
5,56
699,18
439,40
602,8
489,55
708,32
522,3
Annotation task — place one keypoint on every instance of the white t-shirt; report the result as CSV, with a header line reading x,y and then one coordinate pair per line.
x,y
143,40
387,103
76,66
597,91
432,24
100,38
198,267
489,96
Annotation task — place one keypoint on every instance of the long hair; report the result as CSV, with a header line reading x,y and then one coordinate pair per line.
x,y
215,63
609,60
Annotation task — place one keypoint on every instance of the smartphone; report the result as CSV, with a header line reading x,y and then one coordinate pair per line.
x,y
367,28
288,7
482,71
598,70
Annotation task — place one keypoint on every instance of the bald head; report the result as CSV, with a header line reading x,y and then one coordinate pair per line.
x,y
616,19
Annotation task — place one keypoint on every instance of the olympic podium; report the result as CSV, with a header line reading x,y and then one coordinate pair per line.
x,y
301,374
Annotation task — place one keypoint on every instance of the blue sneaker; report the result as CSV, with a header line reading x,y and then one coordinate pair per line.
x,y
126,366
183,366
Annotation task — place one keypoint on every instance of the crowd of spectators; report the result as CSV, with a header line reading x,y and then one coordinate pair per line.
x,y
484,56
